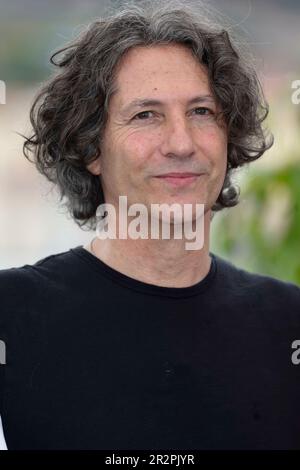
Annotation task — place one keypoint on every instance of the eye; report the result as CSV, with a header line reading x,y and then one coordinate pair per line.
x,y
140,115
204,111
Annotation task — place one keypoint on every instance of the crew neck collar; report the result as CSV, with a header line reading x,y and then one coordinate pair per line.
x,y
141,286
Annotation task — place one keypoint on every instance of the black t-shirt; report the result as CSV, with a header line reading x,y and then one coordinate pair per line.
x,y
98,360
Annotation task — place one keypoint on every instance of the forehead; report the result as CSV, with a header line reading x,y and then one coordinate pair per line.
x,y
157,68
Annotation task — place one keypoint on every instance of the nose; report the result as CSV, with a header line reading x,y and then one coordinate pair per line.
x,y
177,139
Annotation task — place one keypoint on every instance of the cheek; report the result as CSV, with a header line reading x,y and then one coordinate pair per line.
x,y
215,144
138,147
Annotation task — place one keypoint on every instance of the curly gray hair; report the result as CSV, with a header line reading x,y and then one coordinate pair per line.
x,y
70,111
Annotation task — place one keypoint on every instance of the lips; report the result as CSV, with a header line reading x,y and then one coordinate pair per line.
x,y
178,175
179,179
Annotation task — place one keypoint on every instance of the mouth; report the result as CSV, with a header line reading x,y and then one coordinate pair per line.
x,y
179,179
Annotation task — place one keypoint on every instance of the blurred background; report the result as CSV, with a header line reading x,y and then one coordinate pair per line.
x,y
261,234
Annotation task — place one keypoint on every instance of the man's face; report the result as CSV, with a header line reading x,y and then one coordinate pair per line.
x,y
141,143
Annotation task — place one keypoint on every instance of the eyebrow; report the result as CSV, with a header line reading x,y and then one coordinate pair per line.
x,y
141,103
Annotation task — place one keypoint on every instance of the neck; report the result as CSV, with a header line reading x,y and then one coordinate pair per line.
x,y
161,262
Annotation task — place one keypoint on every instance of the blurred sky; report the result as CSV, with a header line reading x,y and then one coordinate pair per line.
x,y
31,224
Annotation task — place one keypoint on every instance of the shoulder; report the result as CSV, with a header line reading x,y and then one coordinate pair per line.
x,y
52,266
233,275
30,282
259,290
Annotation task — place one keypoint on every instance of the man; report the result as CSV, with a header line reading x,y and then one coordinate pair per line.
x,y
139,343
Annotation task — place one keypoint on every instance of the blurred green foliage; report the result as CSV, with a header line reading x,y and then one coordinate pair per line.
x,y
25,54
262,233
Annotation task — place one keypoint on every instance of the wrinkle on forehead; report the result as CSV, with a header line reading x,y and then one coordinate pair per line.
x,y
142,70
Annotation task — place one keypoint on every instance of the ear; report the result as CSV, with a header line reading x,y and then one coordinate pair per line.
x,y
95,167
